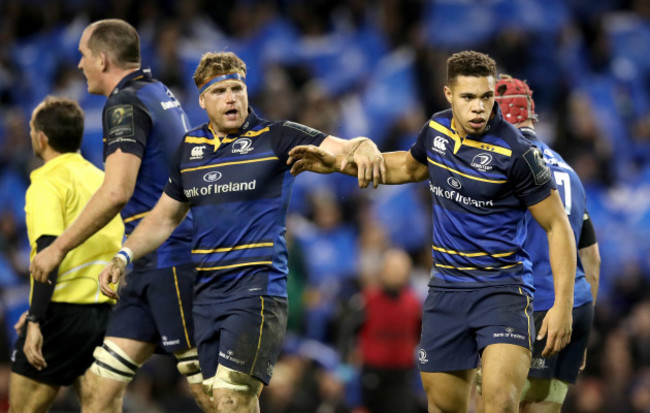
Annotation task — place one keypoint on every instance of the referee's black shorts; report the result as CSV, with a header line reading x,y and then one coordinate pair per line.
x,y
70,334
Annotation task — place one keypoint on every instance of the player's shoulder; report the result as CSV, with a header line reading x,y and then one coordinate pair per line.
x,y
291,127
442,118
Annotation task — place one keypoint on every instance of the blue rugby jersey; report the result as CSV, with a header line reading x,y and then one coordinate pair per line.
x,y
238,189
142,117
481,187
573,197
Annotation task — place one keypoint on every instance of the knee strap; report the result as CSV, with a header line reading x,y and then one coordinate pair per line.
x,y
113,363
188,365
540,390
230,379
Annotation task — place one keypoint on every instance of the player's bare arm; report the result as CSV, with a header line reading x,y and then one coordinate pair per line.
x,y
590,258
152,231
117,188
363,153
557,325
401,167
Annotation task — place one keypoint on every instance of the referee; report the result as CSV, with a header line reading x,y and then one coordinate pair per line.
x,y
68,316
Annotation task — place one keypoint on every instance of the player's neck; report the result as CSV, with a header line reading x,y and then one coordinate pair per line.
x,y
48,154
114,78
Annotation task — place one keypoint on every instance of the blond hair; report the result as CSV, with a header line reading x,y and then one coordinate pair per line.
x,y
213,64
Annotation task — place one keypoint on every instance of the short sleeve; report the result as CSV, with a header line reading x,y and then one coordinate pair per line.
x,y
288,135
531,176
127,126
588,233
44,210
418,149
174,186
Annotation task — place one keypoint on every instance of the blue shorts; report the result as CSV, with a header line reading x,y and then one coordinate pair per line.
x,y
155,306
245,335
458,324
566,364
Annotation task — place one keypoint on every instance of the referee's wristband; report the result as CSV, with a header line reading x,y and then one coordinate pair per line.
x,y
33,318
125,254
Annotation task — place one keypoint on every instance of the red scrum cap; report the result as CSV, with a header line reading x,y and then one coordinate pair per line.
x,y
515,99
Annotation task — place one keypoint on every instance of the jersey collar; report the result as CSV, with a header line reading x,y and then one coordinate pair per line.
x,y
529,133
140,73
53,163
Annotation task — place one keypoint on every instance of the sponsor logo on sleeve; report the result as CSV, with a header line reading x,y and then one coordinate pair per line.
x,y
535,160
120,124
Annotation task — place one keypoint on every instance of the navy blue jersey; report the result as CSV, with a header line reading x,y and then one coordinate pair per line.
x,y
238,188
481,187
142,117
573,197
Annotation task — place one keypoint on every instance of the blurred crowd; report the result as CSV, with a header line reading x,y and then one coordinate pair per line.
x,y
365,68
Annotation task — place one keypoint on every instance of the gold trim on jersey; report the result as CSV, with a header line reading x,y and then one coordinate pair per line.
x,y
472,254
270,158
243,264
234,248
530,344
476,178
451,267
249,134
259,340
135,217
458,142
216,141
180,307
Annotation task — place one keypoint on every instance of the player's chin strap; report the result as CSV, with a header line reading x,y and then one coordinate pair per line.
x,y
188,365
230,379
113,363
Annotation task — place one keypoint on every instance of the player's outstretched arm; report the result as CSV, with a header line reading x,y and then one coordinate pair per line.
x,y
112,195
401,167
363,152
150,233
557,325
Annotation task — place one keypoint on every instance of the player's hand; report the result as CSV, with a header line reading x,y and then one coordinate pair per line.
x,y
370,164
45,262
20,323
584,362
110,276
311,158
557,328
34,345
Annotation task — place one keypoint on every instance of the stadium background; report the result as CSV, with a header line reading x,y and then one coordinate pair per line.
x,y
373,68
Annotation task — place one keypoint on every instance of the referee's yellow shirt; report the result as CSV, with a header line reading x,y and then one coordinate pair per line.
x,y
58,192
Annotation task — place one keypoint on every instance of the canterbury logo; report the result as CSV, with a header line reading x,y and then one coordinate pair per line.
x,y
439,144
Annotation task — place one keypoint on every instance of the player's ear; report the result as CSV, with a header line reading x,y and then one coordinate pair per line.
x,y
202,102
448,94
42,140
103,61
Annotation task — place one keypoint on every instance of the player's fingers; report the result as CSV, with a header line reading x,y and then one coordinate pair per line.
x,y
39,359
376,175
31,357
543,329
551,344
361,176
298,167
382,169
